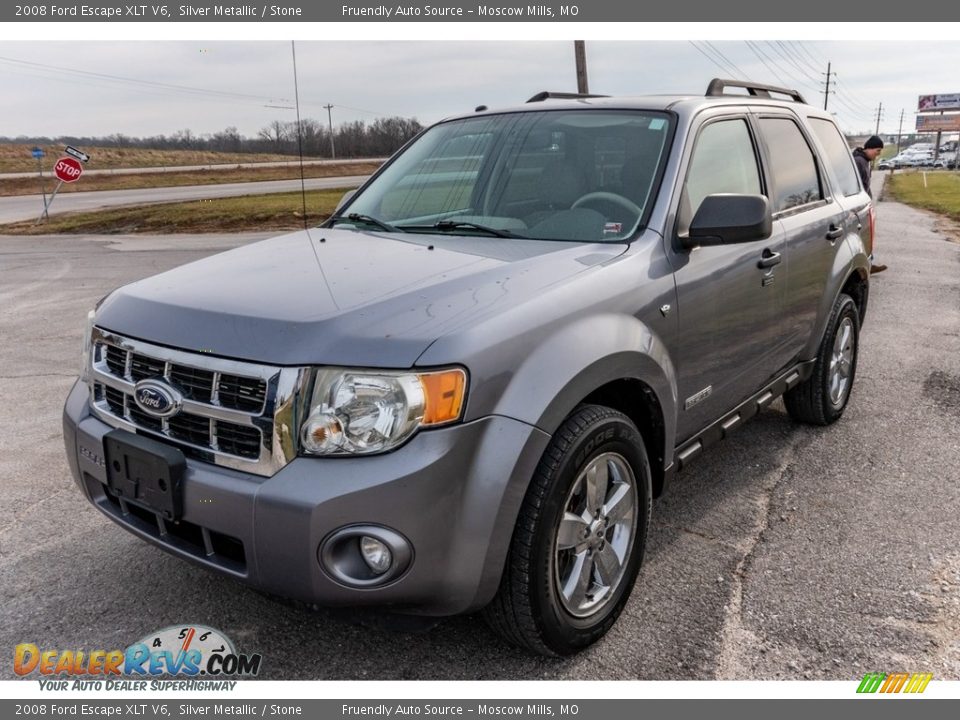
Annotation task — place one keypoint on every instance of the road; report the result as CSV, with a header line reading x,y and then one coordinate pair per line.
x,y
785,552
225,167
27,207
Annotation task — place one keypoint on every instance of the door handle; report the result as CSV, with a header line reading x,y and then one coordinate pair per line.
x,y
834,233
769,259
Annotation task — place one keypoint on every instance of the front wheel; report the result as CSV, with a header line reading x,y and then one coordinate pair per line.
x,y
580,536
822,398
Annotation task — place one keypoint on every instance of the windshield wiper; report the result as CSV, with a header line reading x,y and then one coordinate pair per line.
x,y
367,220
448,225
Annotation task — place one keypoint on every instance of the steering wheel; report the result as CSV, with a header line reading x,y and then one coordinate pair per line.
x,y
601,198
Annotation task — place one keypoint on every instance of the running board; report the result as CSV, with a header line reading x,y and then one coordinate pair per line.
x,y
720,429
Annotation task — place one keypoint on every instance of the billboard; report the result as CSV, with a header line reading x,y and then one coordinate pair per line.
x,y
932,123
939,102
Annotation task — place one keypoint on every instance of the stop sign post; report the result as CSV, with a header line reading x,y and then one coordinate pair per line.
x,y
67,170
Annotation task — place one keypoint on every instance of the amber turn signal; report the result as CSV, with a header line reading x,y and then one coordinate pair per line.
x,y
443,394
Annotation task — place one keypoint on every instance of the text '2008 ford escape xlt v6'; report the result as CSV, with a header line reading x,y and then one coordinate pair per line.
x,y
465,388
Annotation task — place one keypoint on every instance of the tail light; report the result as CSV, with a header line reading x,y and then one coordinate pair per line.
x,y
872,222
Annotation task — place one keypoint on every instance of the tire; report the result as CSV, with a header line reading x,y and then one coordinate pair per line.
x,y
562,590
820,400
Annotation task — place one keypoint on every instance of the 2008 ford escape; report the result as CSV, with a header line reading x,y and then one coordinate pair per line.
x,y
464,389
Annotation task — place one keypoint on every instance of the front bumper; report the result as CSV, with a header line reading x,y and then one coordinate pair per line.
x,y
454,493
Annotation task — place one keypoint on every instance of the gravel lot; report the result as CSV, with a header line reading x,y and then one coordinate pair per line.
x,y
785,552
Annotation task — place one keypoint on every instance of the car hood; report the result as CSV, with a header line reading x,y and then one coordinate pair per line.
x,y
341,297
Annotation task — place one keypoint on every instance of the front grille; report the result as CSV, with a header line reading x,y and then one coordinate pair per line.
x,y
228,407
240,393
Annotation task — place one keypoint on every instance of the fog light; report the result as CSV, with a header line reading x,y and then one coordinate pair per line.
x,y
376,554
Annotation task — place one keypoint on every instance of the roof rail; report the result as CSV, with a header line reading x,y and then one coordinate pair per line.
x,y
547,95
717,86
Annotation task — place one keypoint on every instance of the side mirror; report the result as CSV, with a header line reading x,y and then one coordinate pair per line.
x,y
346,197
726,218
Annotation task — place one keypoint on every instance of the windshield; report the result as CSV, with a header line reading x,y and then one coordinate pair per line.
x,y
558,175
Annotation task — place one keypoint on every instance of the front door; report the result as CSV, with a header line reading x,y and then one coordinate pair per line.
x,y
731,297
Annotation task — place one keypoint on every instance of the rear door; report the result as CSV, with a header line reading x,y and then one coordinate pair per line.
x,y
811,220
847,190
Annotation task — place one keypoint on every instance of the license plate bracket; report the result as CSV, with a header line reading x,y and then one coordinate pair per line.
x,y
145,472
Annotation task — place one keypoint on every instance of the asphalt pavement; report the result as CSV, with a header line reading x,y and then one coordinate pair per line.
x,y
785,552
27,207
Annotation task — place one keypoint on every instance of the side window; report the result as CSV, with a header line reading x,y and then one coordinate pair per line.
x,y
838,154
794,170
723,161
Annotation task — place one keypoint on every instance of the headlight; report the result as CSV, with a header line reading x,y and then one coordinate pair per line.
x,y
85,353
357,412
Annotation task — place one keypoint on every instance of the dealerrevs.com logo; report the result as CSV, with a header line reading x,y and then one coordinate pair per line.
x,y
191,651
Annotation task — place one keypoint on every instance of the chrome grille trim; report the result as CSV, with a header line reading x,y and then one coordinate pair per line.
x,y
275,422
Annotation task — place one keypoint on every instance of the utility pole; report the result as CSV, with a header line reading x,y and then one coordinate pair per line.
x,y
900,131
581,55
826,91
879,115
333,152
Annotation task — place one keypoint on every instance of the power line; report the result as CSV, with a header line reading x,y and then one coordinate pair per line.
x,y
802,56
137,81
772,71
815,63
728,60
711,59
793,78
787,54
853,96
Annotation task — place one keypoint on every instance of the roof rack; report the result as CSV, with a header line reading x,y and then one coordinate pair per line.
x,y
547,95
717,86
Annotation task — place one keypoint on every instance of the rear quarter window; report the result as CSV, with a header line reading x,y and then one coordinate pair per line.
x,y
838,155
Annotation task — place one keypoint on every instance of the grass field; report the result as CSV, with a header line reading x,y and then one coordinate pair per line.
x,y
87,183
283,211
941,194
15,157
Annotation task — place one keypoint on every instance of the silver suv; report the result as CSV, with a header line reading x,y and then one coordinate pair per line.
x,y
464,390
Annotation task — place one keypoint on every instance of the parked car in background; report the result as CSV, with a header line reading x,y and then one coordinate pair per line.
x,y
947,160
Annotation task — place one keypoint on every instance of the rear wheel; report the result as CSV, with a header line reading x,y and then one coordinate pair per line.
x,y
822,398
580,536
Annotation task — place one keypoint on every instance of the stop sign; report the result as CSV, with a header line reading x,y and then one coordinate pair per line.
x,y
68,169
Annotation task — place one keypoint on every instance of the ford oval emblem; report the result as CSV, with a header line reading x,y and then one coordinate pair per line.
x,y
156,398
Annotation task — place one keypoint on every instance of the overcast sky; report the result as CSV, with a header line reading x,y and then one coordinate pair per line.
x,y
62,88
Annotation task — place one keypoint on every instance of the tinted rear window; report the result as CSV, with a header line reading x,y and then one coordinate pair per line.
x,y
838,155
795,177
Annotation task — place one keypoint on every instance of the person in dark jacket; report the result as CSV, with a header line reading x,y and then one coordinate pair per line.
x,y
864,157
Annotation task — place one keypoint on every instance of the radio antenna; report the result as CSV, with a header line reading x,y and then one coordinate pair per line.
x,y
296,94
